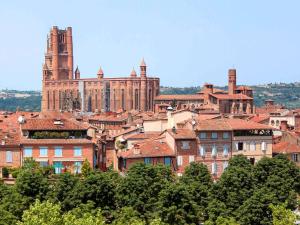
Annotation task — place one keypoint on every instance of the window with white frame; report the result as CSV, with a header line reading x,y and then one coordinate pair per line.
x,y
9,156
295,157
77,151
225,135
202,151
263,146
185,145
77,167
225,165
179,160
225,150
214,135
191,158
58,151
252,146
214,168
27,152
202,135
214,151
43,151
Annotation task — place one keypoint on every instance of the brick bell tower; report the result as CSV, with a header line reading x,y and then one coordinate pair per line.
x,y
231,81
58,64
59,55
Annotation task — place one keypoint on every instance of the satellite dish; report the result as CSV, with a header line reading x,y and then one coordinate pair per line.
x,y
21,119
193,122
170,108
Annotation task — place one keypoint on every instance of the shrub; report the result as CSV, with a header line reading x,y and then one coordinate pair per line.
x,y
5,172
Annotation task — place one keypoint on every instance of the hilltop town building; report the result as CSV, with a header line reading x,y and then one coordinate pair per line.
x,y
64,90
237,100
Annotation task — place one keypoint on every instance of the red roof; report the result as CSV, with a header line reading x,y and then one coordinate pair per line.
x,y
231,96
229,124
182,133
53,124
286,147
179,97
145,135
259,118
149,148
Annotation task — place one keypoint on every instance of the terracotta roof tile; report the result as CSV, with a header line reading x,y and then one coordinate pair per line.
x,y
145,135
182,133
53,124
229,124
179,97
149,148
286,147
231,96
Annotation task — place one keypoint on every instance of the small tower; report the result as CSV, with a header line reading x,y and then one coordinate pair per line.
x,y
77,73
231,81
100,73
143,68
133,73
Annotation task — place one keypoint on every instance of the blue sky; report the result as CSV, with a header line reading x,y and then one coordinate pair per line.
x,y
185,43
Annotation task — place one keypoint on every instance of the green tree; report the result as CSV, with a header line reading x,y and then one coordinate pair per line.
x,y
234,187
32,183
198,180
197,172
100,188
176,206
282,216
127,216
7,218
44,213
141,186
86,168
64,191
255,210
85,219
280,176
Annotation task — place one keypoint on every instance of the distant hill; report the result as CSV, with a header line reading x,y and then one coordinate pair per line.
x,y
287,94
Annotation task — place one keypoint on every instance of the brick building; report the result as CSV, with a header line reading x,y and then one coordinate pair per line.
x,y
237,100
60,142
64,90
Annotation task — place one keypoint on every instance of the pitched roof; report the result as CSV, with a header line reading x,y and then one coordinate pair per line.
x,y
149,148
145,135
231,96
179,97
53,124
229,124
286,147
259,118
182,133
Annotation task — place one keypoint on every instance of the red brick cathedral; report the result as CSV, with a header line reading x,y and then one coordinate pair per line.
x,y
64,90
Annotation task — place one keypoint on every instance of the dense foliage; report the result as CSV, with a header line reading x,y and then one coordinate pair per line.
x,y
245,194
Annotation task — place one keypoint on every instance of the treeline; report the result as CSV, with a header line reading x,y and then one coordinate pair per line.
x,y
245,194
32,103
